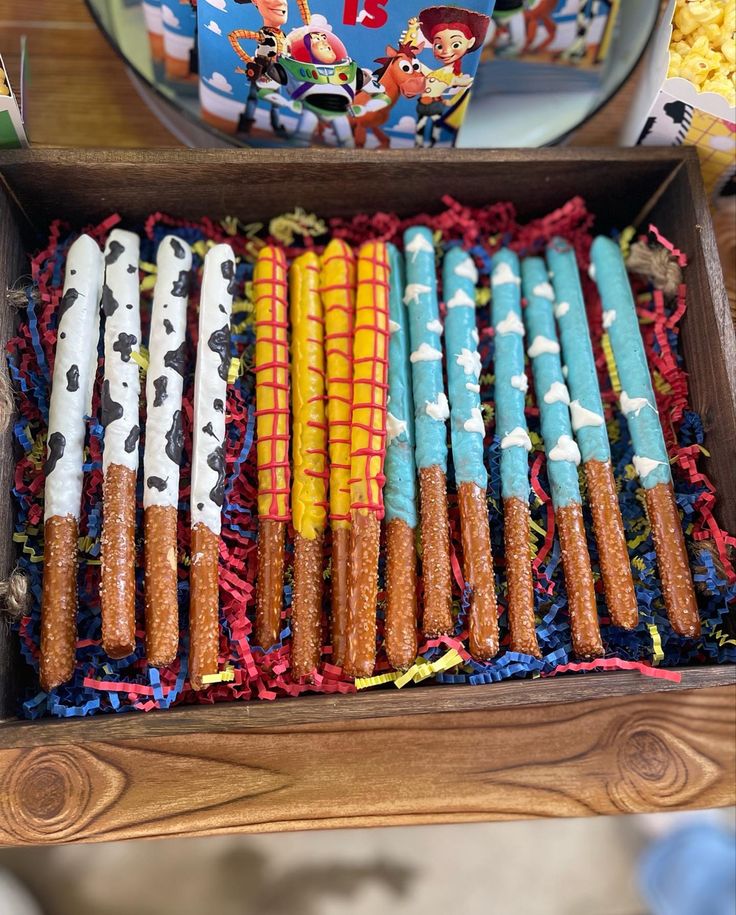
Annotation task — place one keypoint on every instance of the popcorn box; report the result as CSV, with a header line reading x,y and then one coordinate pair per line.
x,y
340,73
671,111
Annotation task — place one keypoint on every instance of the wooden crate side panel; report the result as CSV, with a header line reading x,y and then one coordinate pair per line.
x,y
13,265
83,185
659,752
708,339
426,699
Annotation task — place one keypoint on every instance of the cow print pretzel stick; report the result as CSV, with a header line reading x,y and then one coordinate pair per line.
x,y
120,416
208,459
78,330
162,455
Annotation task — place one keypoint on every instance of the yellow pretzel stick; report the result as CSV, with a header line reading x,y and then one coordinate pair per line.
x,y
368,449
272,433
309,455
337,287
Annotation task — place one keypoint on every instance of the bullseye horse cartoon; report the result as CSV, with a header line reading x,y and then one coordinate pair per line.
x,y
400,74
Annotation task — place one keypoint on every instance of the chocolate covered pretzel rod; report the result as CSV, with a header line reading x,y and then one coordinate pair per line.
x,y
309,450
459,277
208,459
400,490
650,459
367,453
75,365
431,413
586,413
163,449
510,393
120,416
272,436
563,457
337,288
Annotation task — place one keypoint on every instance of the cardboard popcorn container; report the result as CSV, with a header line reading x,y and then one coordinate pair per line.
x,y
671,111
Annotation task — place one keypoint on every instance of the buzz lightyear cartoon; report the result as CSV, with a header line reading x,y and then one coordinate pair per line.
x,y
321,81
259,67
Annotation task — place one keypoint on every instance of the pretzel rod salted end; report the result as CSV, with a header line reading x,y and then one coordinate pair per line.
x,y
672,559
309,486
611,540
204,633
59,602
306,605
271,366
401,594
270,581
75,364
478,572
361,647
588,423
367,452
340,592
161,581
584,626
436,572
117,583
516,529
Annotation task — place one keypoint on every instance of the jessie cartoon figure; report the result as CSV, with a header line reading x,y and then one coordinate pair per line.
x,y
452,32
270,44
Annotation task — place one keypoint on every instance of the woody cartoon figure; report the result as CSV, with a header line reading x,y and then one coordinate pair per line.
x,y
270,45
452,32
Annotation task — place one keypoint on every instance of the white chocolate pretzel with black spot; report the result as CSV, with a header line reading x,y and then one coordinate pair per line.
x,y
208,458
167,362
75,365
120,416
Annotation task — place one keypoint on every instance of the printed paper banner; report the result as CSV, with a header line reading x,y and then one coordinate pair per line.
x,y
373,73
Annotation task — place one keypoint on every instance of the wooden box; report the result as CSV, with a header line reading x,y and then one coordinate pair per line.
x,y
569,746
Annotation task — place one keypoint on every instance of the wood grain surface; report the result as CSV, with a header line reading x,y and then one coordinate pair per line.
x,y
655,752
13,266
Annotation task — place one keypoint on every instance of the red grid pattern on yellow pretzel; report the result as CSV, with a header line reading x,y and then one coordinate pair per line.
x,y
272,384
309,445
370,371
337,287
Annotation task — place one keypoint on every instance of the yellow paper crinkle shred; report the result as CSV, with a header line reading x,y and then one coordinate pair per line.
x,y
420,670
